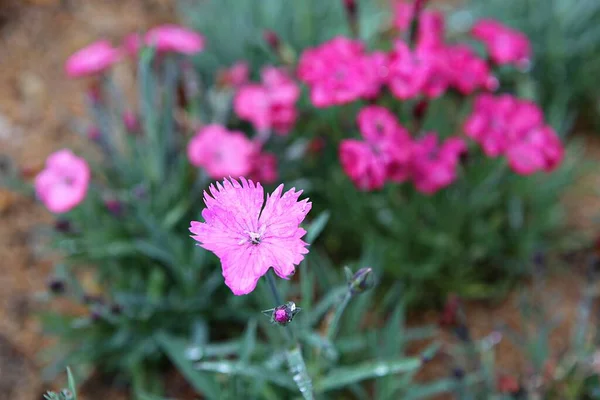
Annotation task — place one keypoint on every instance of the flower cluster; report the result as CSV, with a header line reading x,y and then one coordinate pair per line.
x,y
505,125
388,153
270,105
99,56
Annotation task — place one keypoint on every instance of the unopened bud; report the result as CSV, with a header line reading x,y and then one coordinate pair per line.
x,y
62,225
361,281
350,6
272,40
114,206
56,286
283,314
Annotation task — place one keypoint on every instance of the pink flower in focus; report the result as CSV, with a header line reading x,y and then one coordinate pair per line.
x,y
249,238
434,166
339,72
92,59
505,45
221,152
175,38
271,105
63,184
467,71
264,168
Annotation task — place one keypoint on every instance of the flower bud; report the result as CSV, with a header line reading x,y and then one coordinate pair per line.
x,y
56,286
62,225
361,281
272,40
114,206
284,314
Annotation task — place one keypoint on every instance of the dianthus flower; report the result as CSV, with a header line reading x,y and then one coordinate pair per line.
x,y
504,45
221,152
505,125
339,72
63,183
384,154
434,166
234,76
92,60
175,38
467,71
271,105
264,169
431,27
250,235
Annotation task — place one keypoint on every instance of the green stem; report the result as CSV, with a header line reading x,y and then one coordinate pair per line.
x,y
333,327
273,287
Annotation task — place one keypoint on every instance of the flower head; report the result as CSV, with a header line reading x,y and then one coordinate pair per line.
x,y
264,168
271,105
234,76
63,184
175,38
92,59
250,235
504,45
221,152
339,71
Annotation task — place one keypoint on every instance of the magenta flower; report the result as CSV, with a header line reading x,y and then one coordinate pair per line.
x,y
63,184
175,38
221,152
431,29
504,45
434,166
132,44
236,75
403,15
385,153
271,105
408,71
467,71
264,169
250,235
92,60
339,72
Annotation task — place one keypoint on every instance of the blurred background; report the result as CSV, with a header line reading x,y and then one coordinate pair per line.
x,y
41,109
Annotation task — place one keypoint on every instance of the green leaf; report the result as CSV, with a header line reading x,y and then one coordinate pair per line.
x,y
71,383
175,350
317,226
343,376
249,371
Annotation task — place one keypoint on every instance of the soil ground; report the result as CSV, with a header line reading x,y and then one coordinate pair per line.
x,y
36,117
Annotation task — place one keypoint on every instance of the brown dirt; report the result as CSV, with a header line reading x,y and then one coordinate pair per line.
x,y
36,112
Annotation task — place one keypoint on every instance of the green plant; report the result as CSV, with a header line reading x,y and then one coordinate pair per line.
x,y
65,394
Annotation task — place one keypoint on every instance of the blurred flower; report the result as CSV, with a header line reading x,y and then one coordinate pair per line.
x,y
93,133
431,29
403,15
175,38
507,384
264,168
384,154
271,105
221,152
504,45
114,206
467,71
63,184
339,72
434,166
249,238
131,122
506,125
272,40
409,70
132,44
234,76
92,59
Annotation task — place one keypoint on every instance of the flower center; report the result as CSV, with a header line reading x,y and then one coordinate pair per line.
x,y
254,237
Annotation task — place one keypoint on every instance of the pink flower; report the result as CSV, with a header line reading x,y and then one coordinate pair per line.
x,y
132,44
271,105
131,121
339,72
505,45
221,152
434,166
249,238
431,29
175,38
264,168
91,60
403,15
505,125
385,153
63,184
236,75
467,71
